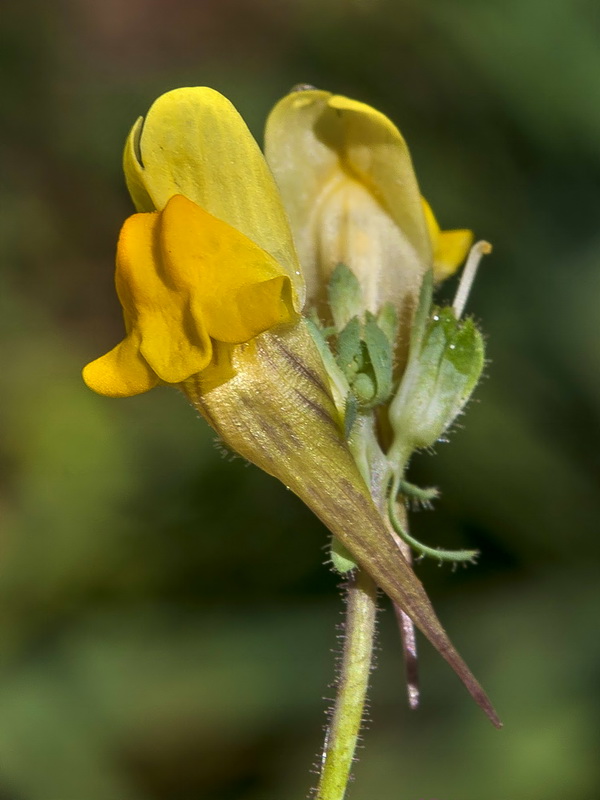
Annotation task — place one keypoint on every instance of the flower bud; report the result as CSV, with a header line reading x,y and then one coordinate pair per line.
x,y
444,366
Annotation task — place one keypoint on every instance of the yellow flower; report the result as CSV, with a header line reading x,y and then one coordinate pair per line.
x,y
216,264
187,281
348,184
211,289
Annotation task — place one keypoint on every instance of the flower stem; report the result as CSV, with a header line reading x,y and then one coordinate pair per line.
x,y
342,734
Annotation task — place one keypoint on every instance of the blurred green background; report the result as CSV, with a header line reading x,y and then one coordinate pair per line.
x,y
166,619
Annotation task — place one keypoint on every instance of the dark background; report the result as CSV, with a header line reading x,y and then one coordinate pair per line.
x,y
166,619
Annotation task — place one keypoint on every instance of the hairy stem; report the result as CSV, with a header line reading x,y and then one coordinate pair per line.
x,y
342,734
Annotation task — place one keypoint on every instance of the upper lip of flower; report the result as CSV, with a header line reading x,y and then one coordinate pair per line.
x,y
193,142
210,256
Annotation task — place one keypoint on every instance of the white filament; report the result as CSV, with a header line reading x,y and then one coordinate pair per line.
x,y
476,253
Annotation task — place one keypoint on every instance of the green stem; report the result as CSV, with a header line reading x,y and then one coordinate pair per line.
x,y
342,734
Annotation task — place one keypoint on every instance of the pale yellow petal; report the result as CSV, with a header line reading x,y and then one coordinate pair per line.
x,y
375,149
193,142
352,228
337,159
302,166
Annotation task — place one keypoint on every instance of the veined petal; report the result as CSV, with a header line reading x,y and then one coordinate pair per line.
x,y
321,147
193,142
450,248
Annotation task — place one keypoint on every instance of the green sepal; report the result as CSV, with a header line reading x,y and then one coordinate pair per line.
x,y
422,314
389,322
364,344
364,355
340,387
344,295
349,349
380,357
340,557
